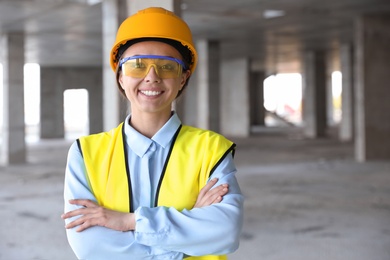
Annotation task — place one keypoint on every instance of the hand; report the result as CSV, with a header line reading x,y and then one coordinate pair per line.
x,y
208,197
94,215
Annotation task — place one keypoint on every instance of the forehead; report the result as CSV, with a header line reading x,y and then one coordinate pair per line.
x,y
152,48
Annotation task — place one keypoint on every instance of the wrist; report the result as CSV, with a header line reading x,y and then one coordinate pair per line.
x,y
131,222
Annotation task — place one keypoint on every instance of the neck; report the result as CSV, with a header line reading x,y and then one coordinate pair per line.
x,y
148,124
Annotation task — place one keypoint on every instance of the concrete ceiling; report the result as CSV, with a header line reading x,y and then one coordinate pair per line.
x,y
68,32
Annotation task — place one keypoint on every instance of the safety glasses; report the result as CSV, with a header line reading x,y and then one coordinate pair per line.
x,y
138,66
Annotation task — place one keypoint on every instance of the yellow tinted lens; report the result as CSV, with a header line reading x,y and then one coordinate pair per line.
x,y
135,68
139,68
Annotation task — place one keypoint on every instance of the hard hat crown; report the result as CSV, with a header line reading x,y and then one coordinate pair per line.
x,y
154,22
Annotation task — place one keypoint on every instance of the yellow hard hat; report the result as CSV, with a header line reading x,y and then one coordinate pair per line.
x,y
154,22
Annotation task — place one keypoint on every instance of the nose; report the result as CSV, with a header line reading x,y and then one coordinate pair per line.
x,y
152,75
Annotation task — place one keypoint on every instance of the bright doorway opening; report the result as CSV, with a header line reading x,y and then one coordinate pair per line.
x,y
283,99
76,118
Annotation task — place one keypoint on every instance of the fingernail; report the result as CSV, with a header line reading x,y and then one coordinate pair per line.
x,y
215,179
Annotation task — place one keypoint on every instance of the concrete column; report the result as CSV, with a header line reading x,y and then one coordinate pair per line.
x,y
54,81
13,146
187,103
372,104
256,98
235,98
52,103
113,108
346,129
208,84
329,91
95,95
314,94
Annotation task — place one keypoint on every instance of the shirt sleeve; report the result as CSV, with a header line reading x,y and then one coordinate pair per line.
x,y
214,229
100,242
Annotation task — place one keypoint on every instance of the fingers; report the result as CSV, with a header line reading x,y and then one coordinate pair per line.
x,y
216,194
100,216
88,216
208,186
84,222
222,191
83,202
208,196
78,222
87,204
76,212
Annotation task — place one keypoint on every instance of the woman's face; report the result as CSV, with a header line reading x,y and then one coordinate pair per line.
x,y
152,94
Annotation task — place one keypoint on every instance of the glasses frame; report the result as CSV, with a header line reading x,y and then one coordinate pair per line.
x,y
122,61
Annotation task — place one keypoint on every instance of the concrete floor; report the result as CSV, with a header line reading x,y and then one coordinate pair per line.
x,y
305,199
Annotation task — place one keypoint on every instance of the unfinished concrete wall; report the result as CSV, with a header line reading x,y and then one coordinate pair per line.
x,y
314,94
208,79
235,115
256,98
54,81
372,105
347,123
13,147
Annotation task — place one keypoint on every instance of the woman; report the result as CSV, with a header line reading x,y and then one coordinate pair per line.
x,y
152,188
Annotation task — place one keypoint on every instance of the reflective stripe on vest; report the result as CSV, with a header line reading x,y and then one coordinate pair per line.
x,y
193,157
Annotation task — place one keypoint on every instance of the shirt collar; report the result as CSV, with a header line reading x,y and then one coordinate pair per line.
x,y
164,136
140,144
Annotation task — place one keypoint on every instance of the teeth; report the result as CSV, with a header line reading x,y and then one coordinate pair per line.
x,y
150,92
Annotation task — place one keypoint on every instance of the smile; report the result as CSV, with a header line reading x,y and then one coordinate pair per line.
x,y
150,92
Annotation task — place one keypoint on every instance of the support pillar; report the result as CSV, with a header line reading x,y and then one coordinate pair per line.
x,y
187,103
208,85
235,120
256,98
372,104
52,103
329,91
95,95
346,130
314,94
13,146
114,106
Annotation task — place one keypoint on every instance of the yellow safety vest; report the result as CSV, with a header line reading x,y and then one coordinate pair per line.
x,y
192,158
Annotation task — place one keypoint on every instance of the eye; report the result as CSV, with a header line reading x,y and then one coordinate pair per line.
x,y
138,65
167,67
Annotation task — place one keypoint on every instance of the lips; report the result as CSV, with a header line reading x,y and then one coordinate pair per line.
x,y
151,93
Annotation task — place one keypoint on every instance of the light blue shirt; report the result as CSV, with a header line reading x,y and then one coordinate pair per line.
x,y
161,232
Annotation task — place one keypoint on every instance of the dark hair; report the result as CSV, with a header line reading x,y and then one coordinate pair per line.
x,y
183,50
